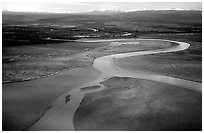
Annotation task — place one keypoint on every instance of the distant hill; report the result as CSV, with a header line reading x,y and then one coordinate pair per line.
x,y
160,16
106,12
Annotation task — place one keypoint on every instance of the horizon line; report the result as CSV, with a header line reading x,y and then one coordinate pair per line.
x,y
114,11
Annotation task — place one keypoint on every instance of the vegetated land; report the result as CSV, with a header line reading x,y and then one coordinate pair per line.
x,y
45,41
41,44
30,62
33,98
185,64
134,104
52,28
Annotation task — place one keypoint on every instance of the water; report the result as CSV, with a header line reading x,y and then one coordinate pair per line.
x,y
60,116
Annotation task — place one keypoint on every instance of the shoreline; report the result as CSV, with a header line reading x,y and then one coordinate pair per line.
x,y
105,64
60,108
34,77
117,63
40,77
102,64
33,98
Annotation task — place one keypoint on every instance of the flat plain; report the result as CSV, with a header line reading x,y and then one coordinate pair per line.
x,y
45,56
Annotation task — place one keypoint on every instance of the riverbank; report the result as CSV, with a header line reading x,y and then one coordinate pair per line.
x,y
24,103
26,63
134,101
55,87
185,64
164,64
59,109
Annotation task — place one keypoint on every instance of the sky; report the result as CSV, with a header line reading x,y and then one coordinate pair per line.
x,y
60,6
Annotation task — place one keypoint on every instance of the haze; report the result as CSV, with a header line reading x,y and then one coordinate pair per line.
x,y
73,7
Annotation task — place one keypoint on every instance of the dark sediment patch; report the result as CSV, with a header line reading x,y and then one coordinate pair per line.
x,y
90,88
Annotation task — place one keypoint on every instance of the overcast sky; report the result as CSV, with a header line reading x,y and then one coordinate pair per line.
x,y
73,7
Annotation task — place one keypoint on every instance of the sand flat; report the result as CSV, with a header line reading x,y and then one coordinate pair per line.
x,y
108,69
130,104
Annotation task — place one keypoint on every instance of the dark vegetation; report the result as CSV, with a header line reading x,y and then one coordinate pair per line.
x,y
55,33
31,49
28,35
50,30
39,28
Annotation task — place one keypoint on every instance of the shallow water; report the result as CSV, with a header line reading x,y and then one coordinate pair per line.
x,y
105,65
60,116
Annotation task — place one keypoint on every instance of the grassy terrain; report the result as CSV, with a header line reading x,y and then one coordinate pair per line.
x,y
25,102
41,44
40,28
31,62
185,64
133,104
36,45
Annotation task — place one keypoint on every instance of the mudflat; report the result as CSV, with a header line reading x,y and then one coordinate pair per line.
x,y
185,64
164,64
140,103
135,104
60,116
33,98
51,57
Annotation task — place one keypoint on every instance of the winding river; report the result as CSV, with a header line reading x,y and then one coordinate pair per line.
x,y
60,116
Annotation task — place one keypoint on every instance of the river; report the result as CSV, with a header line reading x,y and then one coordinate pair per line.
x,y
60,116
